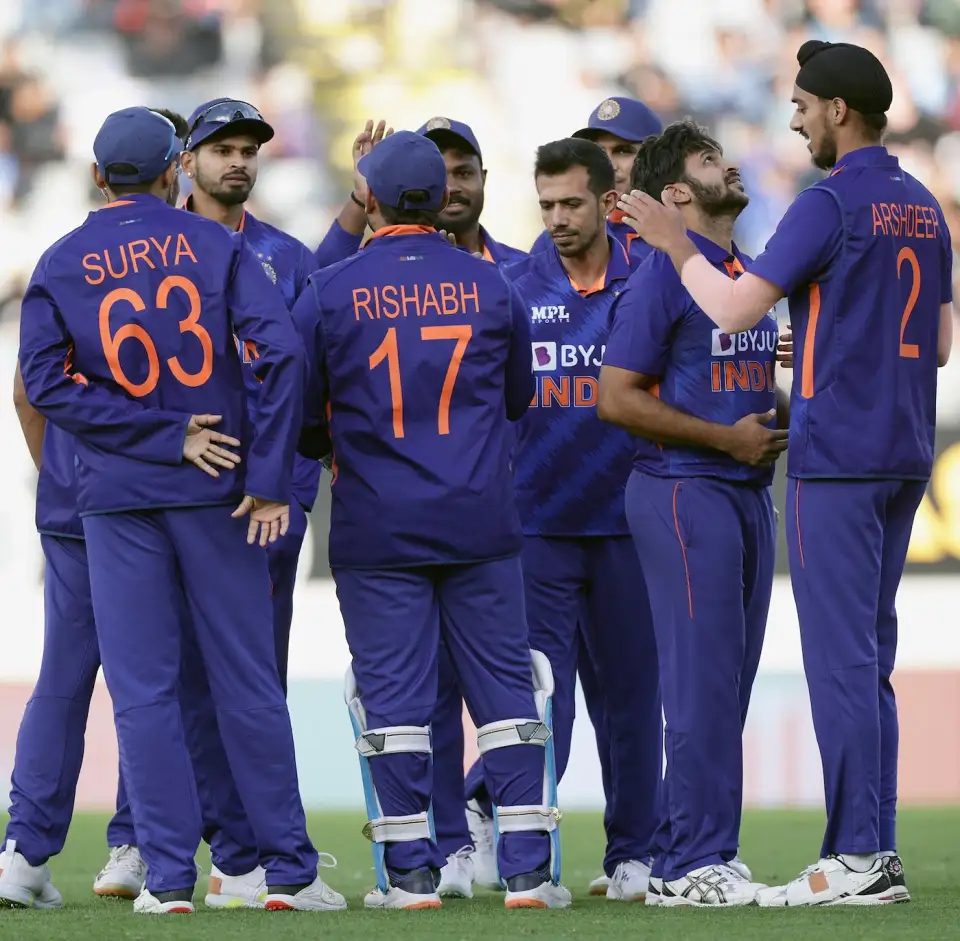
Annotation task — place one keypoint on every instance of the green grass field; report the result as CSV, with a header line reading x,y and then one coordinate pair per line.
x,y
776,844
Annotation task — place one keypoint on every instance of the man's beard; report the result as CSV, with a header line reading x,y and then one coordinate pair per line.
x,y
718,199
222,193
463,223
826,157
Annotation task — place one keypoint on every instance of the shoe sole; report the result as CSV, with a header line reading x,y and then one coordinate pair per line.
x,y
599,890
642,899
116,892
525,903
866,900
229,902
412,907
686,903
454,894
278,905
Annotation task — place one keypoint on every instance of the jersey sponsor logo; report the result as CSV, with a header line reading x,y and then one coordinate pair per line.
x,y
544,357
556,313
548,356
750,341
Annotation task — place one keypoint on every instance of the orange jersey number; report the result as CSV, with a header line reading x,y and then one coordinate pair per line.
x,y
909,350
190,324
388,350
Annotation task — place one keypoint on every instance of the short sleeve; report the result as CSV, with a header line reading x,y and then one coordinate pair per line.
x,y
643,320
807,240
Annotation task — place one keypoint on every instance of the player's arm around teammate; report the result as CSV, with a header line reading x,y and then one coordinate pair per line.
x,y
699,507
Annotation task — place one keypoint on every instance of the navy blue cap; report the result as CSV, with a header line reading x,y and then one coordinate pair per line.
x,y
213,117
403,162
135,145
444,127
624,117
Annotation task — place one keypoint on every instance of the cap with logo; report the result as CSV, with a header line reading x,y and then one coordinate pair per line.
x,y
402,163
623,117
443,130
226,114
135,145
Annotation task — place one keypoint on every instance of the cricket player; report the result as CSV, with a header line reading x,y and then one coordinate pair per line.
x,y
419,359
618,125
51,740
466,182
700,511
585,595
171,290
865,259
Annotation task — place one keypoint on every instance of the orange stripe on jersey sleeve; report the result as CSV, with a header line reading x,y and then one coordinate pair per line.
x,y
809,343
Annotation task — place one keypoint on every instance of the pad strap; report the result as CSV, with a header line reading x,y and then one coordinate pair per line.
x,y
398,829
526,818
509,732
394,740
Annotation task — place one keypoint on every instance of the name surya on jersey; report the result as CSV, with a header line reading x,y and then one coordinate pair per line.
x,y
128,255
417,300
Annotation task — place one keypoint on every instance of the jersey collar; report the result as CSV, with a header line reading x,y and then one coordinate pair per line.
x,y
865,157
188,205
717,255
618,269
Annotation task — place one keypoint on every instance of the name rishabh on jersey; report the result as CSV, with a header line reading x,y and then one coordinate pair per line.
x,y
571,468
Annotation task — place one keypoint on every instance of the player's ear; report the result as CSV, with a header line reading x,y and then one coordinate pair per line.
x,y
188,161
370,203
837,111
679,193
608,201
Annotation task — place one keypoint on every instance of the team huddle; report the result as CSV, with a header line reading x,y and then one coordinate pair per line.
x,y
547,465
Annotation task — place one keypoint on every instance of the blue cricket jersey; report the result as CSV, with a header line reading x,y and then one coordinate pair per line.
x,y
658,330
126,330
866,261
571,468
287,262
56,509
419,359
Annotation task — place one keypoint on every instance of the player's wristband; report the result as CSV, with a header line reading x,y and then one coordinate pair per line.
x,y
359,202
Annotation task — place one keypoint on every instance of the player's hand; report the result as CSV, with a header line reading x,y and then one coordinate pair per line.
x,y
452,239
751,442
364,142
785,350
271,519
658,224
203,447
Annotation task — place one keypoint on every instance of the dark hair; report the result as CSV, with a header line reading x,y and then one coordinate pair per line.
x,y
874,124
178,121
408,216
559,156
662,158
180,128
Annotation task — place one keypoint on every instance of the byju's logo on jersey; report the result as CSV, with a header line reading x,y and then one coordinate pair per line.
x,y
544,357
556,313
722,344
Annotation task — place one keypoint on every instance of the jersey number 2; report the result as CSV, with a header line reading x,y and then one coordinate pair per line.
x,y
909,350
131,331
389,351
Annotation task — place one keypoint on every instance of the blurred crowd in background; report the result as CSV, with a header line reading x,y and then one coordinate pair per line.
x,y
521,72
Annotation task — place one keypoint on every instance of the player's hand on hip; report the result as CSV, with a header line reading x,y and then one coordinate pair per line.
x,y
205,448
268,518
785,350
364,142
751,442
659,224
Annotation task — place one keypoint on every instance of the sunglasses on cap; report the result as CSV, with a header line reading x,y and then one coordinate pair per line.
x,y
225,112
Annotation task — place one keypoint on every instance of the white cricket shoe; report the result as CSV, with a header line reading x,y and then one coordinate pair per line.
x,y
413,891
485,872
600,885
710,886
630,882
456,878
23,885
546,895
316,897
123,876
832,882
246,891
654,892
740,866
147,904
